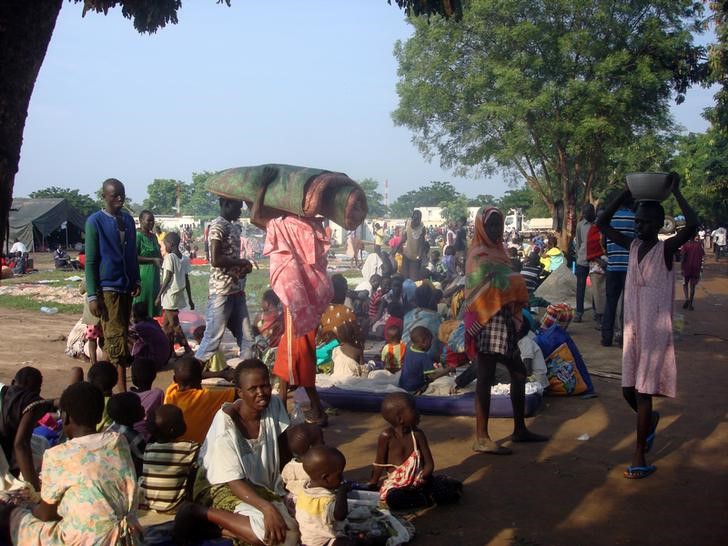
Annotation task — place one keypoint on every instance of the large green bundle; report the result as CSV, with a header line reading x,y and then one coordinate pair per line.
x,y
297,190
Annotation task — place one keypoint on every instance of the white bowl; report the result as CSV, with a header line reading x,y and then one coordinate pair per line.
x,y
649,186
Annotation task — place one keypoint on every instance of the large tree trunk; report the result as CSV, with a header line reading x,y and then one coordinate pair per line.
x,y
26,27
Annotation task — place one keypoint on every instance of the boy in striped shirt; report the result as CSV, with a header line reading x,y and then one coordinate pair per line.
x,y
169,464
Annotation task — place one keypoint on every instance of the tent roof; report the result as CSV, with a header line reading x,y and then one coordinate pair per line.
x,y
46,215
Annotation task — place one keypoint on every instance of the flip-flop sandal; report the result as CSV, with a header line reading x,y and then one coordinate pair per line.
x,y
653,431
639,472
491,449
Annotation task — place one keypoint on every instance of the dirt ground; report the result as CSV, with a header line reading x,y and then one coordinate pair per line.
x,y
565,491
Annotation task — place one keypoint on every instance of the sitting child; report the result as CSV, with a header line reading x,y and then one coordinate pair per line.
x,y
103,376
301,438
89,488
394,350
269,322
169,463
418,368
217,365
198,405
149,339
403,447
125,409
143,375
348,357
321,506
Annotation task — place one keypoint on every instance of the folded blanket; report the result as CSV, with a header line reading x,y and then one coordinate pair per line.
x,y
297,190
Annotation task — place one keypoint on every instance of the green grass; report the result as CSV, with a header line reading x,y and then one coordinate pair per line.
x,y
9,301
256,284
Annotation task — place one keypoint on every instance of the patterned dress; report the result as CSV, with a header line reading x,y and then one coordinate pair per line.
x,y
648,357
92,481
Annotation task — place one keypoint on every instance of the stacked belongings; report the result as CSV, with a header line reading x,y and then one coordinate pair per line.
x,y
566,369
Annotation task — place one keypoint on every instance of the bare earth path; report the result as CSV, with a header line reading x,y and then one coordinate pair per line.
x,y
563,492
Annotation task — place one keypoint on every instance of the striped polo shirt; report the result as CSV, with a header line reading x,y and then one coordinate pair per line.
x,y
167,469
617,256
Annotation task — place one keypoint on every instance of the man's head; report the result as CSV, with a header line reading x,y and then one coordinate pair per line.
x,y
114,194
324,466
386,284
588,212
166,423
28,378
649,218
139,311
230,209
188,373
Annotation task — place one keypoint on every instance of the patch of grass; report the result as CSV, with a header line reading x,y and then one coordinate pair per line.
x,y
9,301
256,283
47,275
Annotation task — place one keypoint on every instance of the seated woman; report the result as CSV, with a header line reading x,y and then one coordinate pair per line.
x,y
22,406
239,487
337,315
89,486
269,323
552,257
424,314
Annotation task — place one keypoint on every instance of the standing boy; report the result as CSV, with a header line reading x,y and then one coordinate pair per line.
x,y
112,273
226,306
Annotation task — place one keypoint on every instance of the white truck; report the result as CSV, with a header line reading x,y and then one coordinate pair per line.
x,y
527,227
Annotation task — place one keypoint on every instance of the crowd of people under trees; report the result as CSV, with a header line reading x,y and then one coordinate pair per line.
x,y
230,460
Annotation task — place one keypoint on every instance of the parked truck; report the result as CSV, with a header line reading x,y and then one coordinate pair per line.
x,y
527,227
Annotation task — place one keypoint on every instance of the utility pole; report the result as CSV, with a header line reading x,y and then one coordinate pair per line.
x,y
179,192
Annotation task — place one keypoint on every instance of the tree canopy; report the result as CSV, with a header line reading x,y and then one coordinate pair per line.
x,y
547,91
84,204
26,28
432,195
375,200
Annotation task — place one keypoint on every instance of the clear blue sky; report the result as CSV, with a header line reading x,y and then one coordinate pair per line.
x,y
309,83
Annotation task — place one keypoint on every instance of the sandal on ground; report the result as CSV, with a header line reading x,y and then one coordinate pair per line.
x,y
639,472
491,448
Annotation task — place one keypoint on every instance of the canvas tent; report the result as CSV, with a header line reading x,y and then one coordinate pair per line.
x,y
32,220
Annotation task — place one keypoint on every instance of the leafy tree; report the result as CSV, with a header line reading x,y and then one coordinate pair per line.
x,y
84,204
547,91
162,195
201,203
483,200
702,163
26,28
375,200
427,196
455,208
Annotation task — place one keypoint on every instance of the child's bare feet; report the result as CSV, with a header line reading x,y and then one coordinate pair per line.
x,y
486,445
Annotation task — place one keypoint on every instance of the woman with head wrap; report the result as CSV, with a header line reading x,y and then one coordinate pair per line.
x,y
494,297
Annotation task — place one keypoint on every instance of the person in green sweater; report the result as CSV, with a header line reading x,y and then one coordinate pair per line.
x,y
112,273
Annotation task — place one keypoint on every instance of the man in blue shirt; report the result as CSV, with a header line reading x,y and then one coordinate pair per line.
x,y
617,260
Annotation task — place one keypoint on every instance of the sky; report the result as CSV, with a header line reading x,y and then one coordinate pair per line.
x,y
254,83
